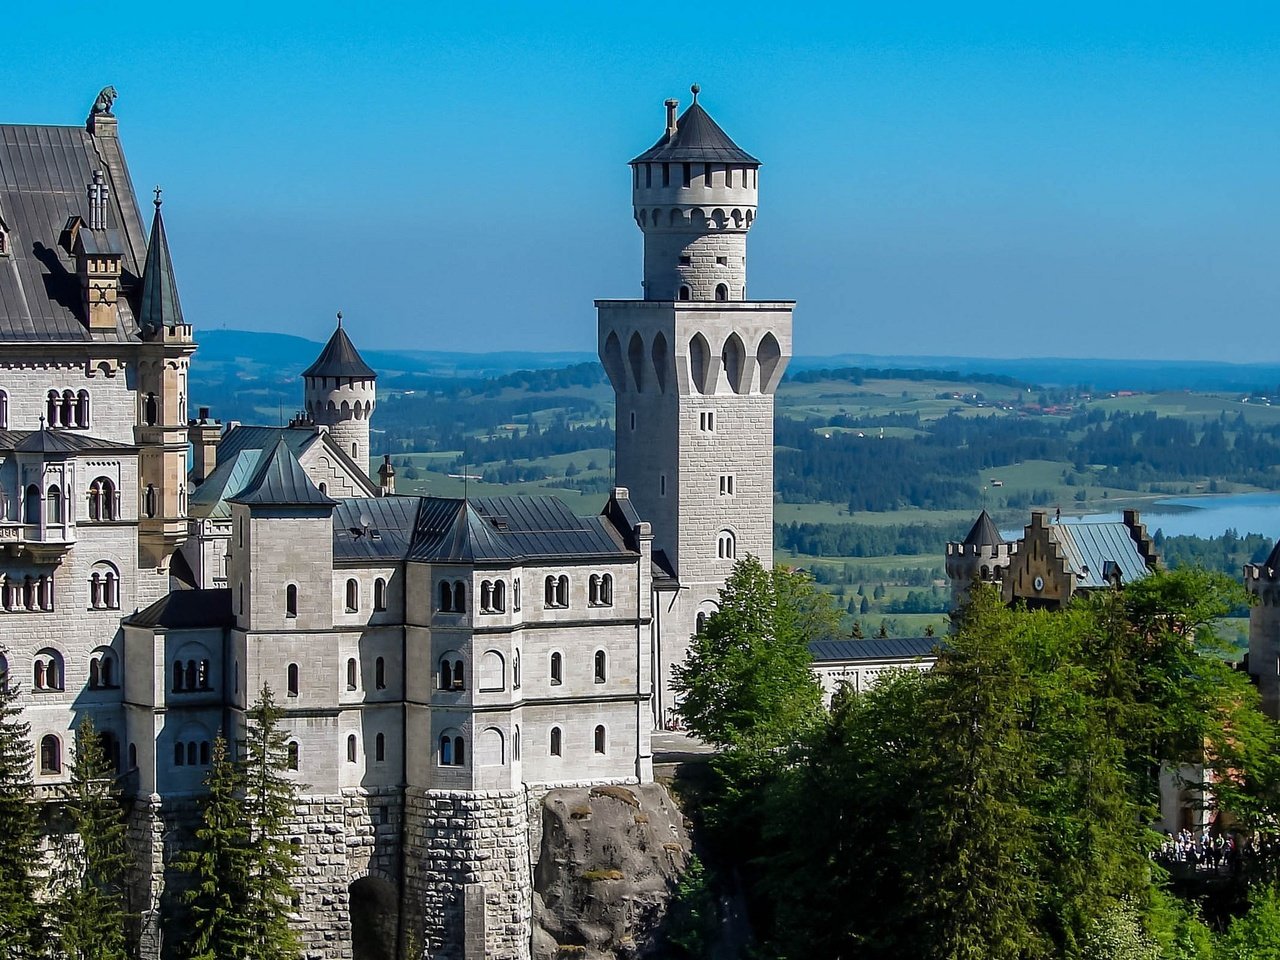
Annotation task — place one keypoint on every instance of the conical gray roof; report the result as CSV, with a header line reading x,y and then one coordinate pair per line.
x,y
697,138
984,533
281,481
159,306
339,358
1273,561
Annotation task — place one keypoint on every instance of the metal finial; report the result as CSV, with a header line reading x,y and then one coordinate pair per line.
x,y
339,319
695,90
157,201
42,422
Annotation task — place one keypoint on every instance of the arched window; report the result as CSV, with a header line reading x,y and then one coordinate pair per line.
x,y
446,597
293,679
50,754
486,596
4,397
351,673
294,759
48,670
515,594
178,685
515,743
149,504
593,590
68,409
355,452
53,505
324,488
102,670
453,749
191,754
102,499
459,597
193,676
562,591
515,670
150,410
380,747
104,587
555,741
726,546
446,750
557,668
95,674
53,408
380,673
82,408
380,594
493,671
601,672
499,596
458,680
351,748
291,600
133,756
606,590
700,623
550,598
31,505
600,739
722,292
684,293
4,673
353,596
446,674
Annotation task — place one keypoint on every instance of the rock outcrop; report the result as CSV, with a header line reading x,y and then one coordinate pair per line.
x,y
609,859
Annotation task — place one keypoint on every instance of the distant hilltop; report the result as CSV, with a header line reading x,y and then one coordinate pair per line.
x,y
283,353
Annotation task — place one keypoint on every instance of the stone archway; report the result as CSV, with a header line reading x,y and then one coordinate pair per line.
x,y
375,918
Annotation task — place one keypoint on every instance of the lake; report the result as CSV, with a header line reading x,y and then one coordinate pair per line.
x,y
1207,516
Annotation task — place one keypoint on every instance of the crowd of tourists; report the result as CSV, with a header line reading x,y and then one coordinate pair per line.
x,y
1205,850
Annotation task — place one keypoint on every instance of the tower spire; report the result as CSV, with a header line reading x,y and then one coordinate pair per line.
x,y
159,305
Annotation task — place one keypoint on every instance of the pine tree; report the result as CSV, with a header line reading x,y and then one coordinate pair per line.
x,y
219,861
93,860
269,804
20,917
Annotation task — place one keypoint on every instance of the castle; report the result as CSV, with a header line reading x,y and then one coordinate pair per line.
x,y
442,663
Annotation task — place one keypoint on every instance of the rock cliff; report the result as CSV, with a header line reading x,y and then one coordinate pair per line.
x,y
609,858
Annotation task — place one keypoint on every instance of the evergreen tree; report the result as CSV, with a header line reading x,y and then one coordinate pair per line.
x,y
270,804
92,861
20,917
219,864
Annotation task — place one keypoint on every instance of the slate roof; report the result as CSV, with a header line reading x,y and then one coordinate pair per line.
x,y
1088,547
186,609
55,441
374,529
697,138
44,173
158,305
281,481
240,452
1273,561
891,648
339,358
984,533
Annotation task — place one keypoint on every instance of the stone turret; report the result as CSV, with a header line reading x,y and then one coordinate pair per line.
x,y
341,394
982,556
694,196
1263,581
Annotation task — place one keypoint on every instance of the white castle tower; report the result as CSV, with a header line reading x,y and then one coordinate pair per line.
x,y
341,394
694,366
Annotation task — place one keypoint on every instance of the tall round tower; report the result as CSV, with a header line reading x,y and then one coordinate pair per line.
x,y
340,394
1263,581
981,557
694,196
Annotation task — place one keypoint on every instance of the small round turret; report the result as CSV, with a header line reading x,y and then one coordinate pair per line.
x,y
981,557
340,394
694,196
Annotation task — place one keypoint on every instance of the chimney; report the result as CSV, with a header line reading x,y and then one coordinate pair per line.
x,y
204,434
98,194
387,476
671,117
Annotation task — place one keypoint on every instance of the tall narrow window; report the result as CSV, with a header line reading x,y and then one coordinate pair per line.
x,y
600,739
688,174
684,293
606,590
666,174
557,668
601,673
380,747
706,174
380,594
446,674
380,673
351,673
446,750
293,755
722,292
446,597
562,591
291,600
459,597
555,741
53,508
351,748
150,410
515,669
293,679
499,596
515,595
50,754
353,596
149,504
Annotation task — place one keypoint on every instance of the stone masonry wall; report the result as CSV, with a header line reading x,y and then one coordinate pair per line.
x,y
467,882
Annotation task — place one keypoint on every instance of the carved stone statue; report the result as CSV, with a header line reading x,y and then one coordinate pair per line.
x,y
105,99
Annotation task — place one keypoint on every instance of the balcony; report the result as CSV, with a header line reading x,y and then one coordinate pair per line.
x,y
42,543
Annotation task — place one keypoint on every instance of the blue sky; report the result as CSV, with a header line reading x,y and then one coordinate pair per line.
x,y
998,180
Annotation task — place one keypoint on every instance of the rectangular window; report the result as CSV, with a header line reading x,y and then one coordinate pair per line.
x,y
726,484
666,174
688,174
706,173
722,261
686,260
707,421
728,176
648,174
662,485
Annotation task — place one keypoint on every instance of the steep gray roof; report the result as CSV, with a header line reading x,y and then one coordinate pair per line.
x,y
1273,561
186,610
697,138
159,306
55,441
44,173
890,648
984,533
281,481
339,358
1089,547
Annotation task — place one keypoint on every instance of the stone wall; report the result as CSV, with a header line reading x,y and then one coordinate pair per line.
x,y
467,883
